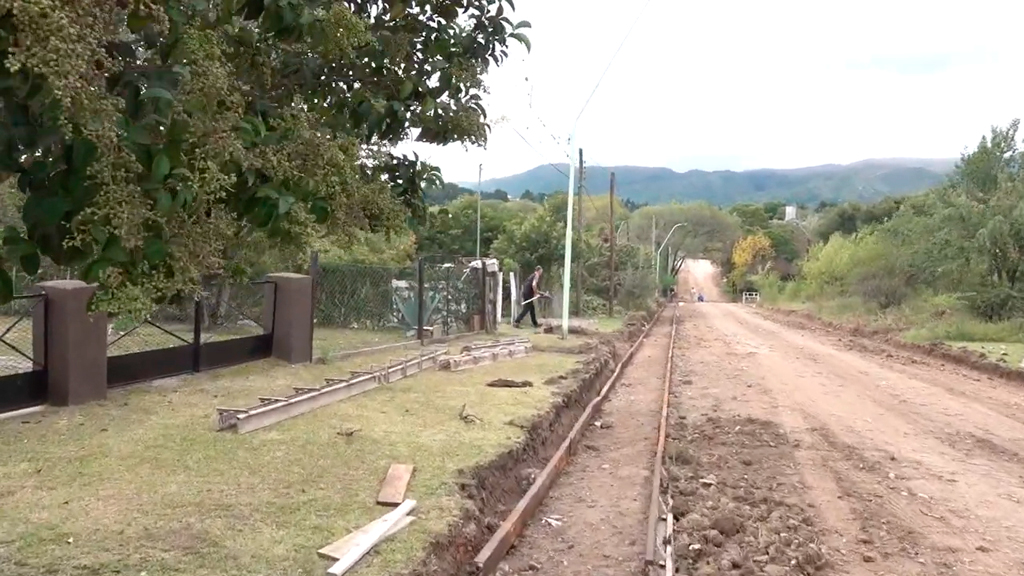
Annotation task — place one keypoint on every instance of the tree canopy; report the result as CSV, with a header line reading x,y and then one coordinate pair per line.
x,y
154,142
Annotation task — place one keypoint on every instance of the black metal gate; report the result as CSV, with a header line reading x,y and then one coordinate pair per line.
x,y
229,324
22,358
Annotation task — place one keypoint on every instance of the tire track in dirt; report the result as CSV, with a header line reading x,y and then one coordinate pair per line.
x,y
894,492
594,520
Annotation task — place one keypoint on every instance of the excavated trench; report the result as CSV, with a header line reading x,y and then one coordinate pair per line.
x,y
492,490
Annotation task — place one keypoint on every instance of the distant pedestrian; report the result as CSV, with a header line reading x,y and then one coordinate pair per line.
x,y
531,289
693,294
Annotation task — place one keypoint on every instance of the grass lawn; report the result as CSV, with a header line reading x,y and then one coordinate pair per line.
x,y
142,484
1010,352
327,341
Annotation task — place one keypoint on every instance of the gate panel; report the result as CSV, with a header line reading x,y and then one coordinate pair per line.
x,y
23,381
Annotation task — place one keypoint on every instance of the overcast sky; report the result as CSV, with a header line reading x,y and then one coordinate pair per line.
x,y
747,84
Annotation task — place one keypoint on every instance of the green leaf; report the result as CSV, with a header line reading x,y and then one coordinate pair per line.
x,y
164,201
397,10
140,135
115,252
161,167
266,192
521,25
92,271
156,93
406,90
6,286
284,204
30,263
137,21
154,250
522,39
83,153
98,233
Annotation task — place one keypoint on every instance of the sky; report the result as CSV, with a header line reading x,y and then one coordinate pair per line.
x,y
747,84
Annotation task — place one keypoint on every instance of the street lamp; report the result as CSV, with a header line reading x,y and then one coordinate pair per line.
x,y
657,257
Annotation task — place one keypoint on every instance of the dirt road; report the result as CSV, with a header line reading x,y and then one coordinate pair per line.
x,y
593,522
879,462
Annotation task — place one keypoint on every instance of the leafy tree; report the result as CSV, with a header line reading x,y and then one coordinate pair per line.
x,y
753,252
155,141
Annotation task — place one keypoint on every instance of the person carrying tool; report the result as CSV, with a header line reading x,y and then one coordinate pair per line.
x,y
531,292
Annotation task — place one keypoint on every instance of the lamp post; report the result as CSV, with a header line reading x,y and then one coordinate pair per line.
x,y
657,257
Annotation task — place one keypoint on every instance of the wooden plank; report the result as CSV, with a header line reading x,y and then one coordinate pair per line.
x,y
653,512
335,550
364,542
494,551
392,491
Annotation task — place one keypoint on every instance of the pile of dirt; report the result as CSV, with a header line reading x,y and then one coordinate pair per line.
x,y
940,350
737,501
491,491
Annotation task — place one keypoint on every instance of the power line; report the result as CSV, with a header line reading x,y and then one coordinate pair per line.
x,y
534,148
612,59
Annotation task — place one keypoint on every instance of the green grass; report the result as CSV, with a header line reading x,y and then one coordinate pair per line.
x,y
1012,353
141,483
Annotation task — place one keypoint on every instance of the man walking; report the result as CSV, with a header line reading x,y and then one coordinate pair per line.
x,y
530,291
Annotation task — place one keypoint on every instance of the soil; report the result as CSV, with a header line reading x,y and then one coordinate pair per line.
x,y
873,340
737,500
593,521
837,457
491,491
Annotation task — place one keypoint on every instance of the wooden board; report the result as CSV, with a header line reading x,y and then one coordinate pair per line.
x,y
362,543
392,491
335,550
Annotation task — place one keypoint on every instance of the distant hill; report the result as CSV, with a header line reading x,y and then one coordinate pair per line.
x,y
864,181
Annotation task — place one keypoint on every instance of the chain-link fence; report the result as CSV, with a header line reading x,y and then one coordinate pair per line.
x,y
451,295
360,306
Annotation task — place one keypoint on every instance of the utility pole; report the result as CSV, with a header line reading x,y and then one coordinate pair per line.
x,y
579,236
612,233
479,197
654,244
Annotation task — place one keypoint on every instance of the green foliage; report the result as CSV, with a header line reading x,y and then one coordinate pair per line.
x,y
864,181
156,143
955,252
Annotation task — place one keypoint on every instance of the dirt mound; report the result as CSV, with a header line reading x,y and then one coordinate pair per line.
x,y
737,501
491,491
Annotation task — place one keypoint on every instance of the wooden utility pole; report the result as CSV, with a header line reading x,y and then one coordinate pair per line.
x,y
611,245
579,235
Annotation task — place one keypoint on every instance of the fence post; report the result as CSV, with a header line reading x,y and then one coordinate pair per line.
x,y
197,334
293,317
420,300
483,295
314,273
76,344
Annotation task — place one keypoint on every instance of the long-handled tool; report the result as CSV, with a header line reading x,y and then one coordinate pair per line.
x,y
541,295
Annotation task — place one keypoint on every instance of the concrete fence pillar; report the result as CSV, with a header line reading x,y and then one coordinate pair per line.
x,y
75,343
293,317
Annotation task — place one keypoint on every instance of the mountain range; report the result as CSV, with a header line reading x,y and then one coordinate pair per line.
x,y
866,180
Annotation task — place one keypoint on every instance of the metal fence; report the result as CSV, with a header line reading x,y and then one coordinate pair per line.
x,y
359,306
16,344
227,324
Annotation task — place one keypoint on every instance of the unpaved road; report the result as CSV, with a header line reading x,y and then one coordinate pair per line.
x,y
794,451
599,504
885,462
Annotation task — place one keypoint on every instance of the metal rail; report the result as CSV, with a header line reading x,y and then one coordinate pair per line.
x,y
273,409
486,562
